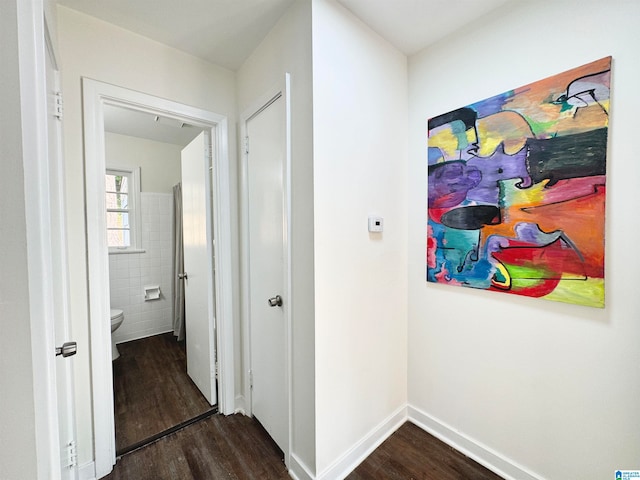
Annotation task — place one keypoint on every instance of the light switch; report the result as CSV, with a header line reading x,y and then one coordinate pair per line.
x,y
375,224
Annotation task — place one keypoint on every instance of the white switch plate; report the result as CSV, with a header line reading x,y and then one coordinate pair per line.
x,y
375,224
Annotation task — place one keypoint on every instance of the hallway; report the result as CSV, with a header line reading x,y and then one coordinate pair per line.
x,y
153,394
237,447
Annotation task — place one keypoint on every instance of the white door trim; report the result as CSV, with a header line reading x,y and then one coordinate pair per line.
x,y
282,90
95,95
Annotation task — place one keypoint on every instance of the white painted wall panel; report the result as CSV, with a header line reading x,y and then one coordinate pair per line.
x,y
18,443
159,162
360,168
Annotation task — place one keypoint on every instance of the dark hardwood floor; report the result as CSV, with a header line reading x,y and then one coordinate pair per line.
x,y
412,453
233,447
153,393
237,448
152,390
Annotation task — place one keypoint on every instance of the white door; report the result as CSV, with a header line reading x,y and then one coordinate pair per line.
x,y
60,284
198,266
268,327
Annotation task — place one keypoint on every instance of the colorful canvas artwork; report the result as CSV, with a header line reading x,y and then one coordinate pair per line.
x,y
516,190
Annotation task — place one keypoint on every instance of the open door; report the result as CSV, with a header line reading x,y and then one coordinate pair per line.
x,y
59,279
198,266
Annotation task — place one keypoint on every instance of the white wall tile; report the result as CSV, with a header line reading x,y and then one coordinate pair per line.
x,y
129,273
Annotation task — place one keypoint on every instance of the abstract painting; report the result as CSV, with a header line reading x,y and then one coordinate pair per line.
x,y
516,190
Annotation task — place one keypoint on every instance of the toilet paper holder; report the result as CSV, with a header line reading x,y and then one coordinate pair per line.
x,y
151,292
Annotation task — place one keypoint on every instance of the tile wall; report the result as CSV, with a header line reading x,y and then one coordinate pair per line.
x,y
129,273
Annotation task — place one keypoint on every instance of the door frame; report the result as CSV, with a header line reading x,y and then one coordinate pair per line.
x,y
95,95
283,89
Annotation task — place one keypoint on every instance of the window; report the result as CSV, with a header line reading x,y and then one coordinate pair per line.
x,y
122,191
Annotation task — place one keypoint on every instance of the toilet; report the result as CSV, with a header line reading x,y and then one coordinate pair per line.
x,y
117,317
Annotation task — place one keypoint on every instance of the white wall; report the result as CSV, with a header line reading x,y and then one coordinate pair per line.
x,y
98,50
17,409
159,162
287,48
360,168
547,387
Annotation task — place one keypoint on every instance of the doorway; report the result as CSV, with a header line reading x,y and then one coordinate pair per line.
x,y
266,232
161,379
96,96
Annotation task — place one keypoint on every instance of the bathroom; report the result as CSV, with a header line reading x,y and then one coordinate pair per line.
x,y
148,259
144,168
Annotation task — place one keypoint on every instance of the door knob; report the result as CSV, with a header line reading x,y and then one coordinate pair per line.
x,y
67,349
275,301
183,276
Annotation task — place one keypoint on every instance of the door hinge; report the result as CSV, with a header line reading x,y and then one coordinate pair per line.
x,y
58,105
71,455
216,369
246,145
251,379
209,155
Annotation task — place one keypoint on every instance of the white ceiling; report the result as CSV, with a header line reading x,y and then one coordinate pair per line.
x,y
412,25
145,125
225,32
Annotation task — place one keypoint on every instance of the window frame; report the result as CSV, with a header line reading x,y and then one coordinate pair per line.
x,y
133,208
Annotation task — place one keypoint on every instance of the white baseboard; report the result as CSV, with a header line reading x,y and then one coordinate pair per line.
x,y
344,465
298,470
87,471
485,456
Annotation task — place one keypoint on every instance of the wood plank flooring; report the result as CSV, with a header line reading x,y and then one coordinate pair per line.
x,y
234,447
153,393
237,448
152,390
412,453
